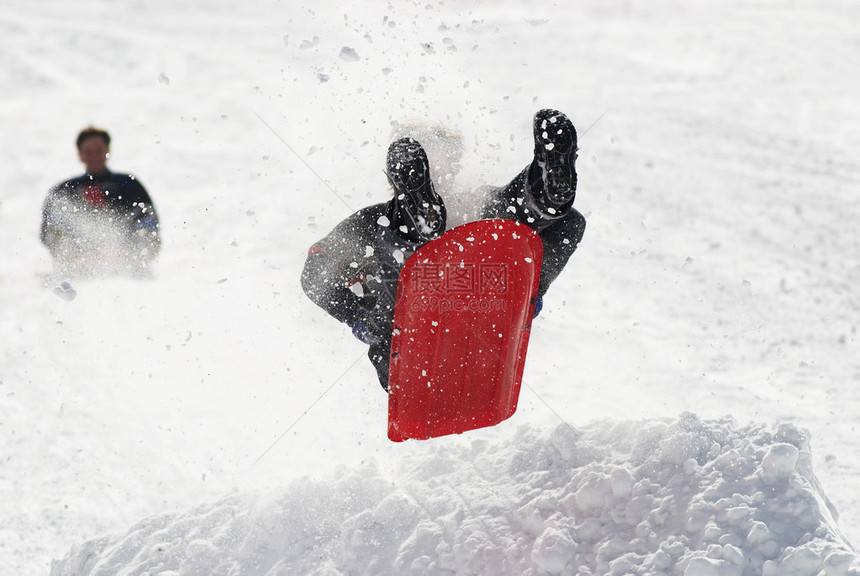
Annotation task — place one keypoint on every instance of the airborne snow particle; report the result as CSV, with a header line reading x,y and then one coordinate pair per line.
x,y
309,43
65,291
348,54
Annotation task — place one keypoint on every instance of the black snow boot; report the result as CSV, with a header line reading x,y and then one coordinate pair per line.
x,y
552,174
418,212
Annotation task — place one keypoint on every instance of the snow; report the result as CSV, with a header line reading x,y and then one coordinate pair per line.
x,y
536,503
689,403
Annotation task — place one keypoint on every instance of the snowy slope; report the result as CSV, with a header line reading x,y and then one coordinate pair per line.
x,y
712,302
636,497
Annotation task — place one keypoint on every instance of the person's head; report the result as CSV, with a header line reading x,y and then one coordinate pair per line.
x,y
94,149
419,213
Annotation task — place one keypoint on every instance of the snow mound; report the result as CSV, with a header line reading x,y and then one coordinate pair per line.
x,y
682,496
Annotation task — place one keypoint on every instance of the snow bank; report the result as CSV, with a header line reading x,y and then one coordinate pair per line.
x,y
681,496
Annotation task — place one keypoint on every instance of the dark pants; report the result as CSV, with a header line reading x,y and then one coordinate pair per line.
x,y
380,357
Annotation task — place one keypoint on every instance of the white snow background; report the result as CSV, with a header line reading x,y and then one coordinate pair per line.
x,y
690,400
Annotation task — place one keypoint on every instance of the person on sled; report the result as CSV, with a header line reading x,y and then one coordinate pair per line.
x,y
101,218
352,273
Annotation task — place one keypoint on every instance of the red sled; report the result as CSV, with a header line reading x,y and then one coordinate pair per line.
x,y
462,320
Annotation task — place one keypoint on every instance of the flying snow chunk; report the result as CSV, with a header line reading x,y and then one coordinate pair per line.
x,y
164,79
309,43
349,54
65,291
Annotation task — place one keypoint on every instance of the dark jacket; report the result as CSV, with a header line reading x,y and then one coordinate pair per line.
x,y
560,231
352,272
119,197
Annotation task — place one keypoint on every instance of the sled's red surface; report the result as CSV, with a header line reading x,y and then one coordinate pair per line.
x,y
461,329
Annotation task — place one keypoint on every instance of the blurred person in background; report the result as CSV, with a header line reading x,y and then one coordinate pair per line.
x,y
101,221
